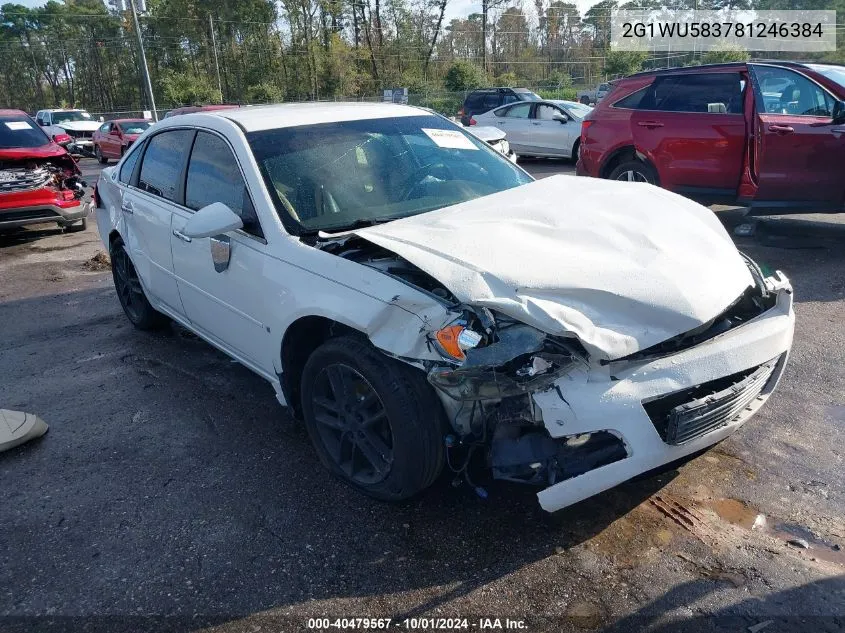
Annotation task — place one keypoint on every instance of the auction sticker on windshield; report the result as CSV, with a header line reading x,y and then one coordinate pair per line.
x,y
450,139
18,125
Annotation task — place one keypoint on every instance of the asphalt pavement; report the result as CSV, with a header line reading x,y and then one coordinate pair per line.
x,y
172,493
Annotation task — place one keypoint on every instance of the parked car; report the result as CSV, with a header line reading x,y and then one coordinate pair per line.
x,y
39,180
113,138
485,99
410,293
768,135
76,124
540,128
588,97
201,108
495,138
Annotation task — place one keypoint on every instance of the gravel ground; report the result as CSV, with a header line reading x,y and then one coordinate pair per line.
x,y
173,494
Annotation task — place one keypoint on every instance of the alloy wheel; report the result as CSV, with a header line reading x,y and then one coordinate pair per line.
x,y
632,176
353,425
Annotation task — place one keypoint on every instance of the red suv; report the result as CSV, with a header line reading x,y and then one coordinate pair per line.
x,y
39,180
768,135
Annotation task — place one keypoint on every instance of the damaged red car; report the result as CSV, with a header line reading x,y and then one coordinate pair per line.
x,y
39,181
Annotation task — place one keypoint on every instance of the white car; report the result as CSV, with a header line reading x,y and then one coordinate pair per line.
x,y
495,138
413,295
76,124
540,128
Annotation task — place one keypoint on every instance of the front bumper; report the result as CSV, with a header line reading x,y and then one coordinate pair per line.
x,y
611,399
63,214
81,146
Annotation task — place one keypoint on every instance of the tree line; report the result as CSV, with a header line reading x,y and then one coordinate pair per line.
x,y
83,53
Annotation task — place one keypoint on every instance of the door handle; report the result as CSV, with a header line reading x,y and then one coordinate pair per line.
x,y
650,124
535,123
126,207
181,236
781,129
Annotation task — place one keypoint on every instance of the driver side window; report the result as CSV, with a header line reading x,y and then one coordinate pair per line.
x,y
546,112
788,92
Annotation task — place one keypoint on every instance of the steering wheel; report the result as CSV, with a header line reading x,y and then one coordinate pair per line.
x,y
419,175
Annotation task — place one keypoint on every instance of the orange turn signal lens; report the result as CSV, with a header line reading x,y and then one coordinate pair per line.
x,y
448,340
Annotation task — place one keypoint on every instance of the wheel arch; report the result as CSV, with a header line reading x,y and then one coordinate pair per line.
x,y
301,338
620,155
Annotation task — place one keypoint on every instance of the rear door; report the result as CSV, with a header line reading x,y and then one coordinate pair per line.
x,y
147,208
549,136
799,151
516,122
224,303
692,128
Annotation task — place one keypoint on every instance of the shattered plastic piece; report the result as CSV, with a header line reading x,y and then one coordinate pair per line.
x,y
17,427
799,542
746,229
538,366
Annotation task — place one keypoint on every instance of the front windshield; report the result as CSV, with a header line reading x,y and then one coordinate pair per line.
x,y
526,95
836,73
135,127
64,117
334,176
578,110
16,131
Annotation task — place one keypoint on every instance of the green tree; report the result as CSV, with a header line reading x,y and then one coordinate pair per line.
x,y
463,76
621,63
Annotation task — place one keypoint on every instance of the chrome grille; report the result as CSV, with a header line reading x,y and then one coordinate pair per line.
x,y
12,180
685,415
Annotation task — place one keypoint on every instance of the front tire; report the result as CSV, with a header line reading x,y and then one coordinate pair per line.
x,y
130,293
374,421
77,227
98,154
634,171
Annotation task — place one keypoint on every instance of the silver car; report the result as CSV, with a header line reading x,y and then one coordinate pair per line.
x,y
540,128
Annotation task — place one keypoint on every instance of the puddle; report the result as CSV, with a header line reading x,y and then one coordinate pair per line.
x,y
743,515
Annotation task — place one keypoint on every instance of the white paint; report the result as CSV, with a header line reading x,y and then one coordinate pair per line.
x,y
18,125
450,139
622,266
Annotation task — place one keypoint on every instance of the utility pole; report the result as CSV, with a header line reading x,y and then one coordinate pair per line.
x,y
216,63
144,69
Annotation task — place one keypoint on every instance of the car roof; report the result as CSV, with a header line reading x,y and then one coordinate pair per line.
x,y
268,117
722,66
11,112
137,120
63,110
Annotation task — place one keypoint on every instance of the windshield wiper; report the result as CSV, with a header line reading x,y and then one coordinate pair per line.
x,y
358,224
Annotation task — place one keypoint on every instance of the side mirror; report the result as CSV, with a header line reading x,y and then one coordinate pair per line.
x,y
839,112
214,219
562,118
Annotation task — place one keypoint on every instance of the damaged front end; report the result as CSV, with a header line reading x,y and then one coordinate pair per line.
x,y
39,188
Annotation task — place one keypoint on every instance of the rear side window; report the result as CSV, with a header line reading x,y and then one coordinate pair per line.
x,y
632,101
128,165
475,100
713,93
214,176
162,164
519,111
490,101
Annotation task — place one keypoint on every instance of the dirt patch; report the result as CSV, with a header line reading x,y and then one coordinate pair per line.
x,y
98,262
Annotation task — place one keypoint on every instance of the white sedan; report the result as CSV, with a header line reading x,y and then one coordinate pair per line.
x,y
540,128
416,298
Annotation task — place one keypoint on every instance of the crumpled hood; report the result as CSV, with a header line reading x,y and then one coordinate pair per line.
x,y
622,266
80,126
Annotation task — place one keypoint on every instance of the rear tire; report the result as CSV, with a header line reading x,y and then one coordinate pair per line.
x,y
130,293
374,421
634,171
576,151
98,154
585,100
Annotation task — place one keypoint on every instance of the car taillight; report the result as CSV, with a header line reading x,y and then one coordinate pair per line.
x,y
61,138
584,126
472,121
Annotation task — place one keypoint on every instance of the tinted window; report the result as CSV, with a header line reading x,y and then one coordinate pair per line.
x,y
475,100
714,93
510,99
632,101
20,131
128,165
214,176
333,175
490,101
520,111
787,92
162,163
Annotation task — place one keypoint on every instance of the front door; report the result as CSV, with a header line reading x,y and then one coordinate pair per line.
x,y
225,303
147,209
800,152
692,127
515,121
550,136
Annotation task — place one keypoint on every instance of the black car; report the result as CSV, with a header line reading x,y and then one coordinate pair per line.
x,y
485,99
